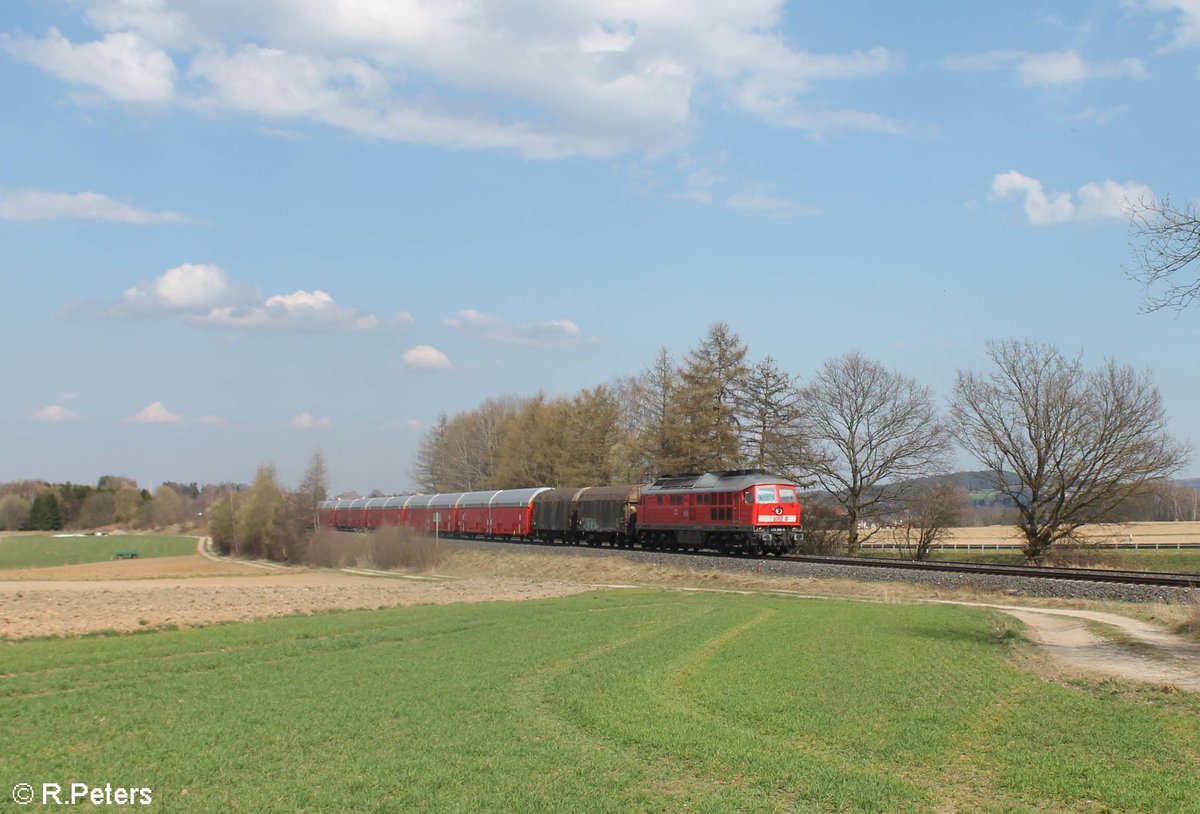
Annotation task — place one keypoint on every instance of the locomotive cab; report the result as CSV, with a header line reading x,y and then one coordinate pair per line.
x,y
774,512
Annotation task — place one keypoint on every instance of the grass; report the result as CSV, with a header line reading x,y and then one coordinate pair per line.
x,y
1183,561
618,701
39,551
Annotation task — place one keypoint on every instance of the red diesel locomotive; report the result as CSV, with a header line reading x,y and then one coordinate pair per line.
x,y
736,511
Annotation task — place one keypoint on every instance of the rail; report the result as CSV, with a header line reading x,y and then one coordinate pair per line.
x,y
1174,580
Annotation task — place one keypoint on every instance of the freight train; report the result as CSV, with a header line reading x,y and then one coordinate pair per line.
x,y
741,511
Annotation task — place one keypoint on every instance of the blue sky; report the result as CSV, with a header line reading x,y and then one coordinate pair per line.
x,y
234,231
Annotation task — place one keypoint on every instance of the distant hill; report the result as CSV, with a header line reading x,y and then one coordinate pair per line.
x,y
980,486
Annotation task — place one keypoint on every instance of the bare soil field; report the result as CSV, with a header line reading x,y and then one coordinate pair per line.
x,y
65,608
189,565
1141,533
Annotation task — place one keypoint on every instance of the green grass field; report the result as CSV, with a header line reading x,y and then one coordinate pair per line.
x,y
623,701
39,551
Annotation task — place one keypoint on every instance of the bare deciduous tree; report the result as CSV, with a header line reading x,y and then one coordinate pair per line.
x,y
870,431
931,512
167,507
14,512
98,509
432,467
1166,251
1080,442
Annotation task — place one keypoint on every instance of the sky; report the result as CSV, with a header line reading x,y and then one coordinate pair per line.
x,y
236,231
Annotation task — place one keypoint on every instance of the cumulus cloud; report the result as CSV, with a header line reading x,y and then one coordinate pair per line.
x,y
495,329
425,357
56,413
155,413
406,425
1092,201
40,204
203,294
191,287
540,78
308,421
122,65
1053,68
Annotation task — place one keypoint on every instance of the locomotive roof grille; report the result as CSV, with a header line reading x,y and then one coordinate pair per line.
x,y
724,480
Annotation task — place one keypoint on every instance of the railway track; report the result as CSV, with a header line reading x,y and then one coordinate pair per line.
x,y
1096,575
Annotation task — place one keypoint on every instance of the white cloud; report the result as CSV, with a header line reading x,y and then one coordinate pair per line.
x,y
155,413
1102,116
40,204
308,421
1185,33
1092,201
57,414
122,65
495,329
203,294
191,287
407,425
593,77
211,421
425,357
1053,68
756,200
298,311
68,396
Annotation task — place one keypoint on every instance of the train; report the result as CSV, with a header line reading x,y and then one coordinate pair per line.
x,y
736,511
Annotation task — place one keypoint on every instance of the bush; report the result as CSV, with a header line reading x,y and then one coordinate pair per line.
x,y
824,530
393,547
388,548
1075,556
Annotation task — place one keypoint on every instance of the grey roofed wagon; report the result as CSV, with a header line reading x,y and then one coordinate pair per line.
x,y
445,500
516,497
475,500
419,501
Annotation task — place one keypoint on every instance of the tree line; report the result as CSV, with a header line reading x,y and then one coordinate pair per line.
x,y
113,501
1065,445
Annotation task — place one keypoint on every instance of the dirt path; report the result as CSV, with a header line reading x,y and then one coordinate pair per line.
x,y
1155,657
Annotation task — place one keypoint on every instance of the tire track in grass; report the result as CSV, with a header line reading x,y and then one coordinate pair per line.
x,y
839,772
332,644
10,687
531,694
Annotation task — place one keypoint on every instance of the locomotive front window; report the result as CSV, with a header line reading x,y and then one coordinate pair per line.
x,y
766,494
787,495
